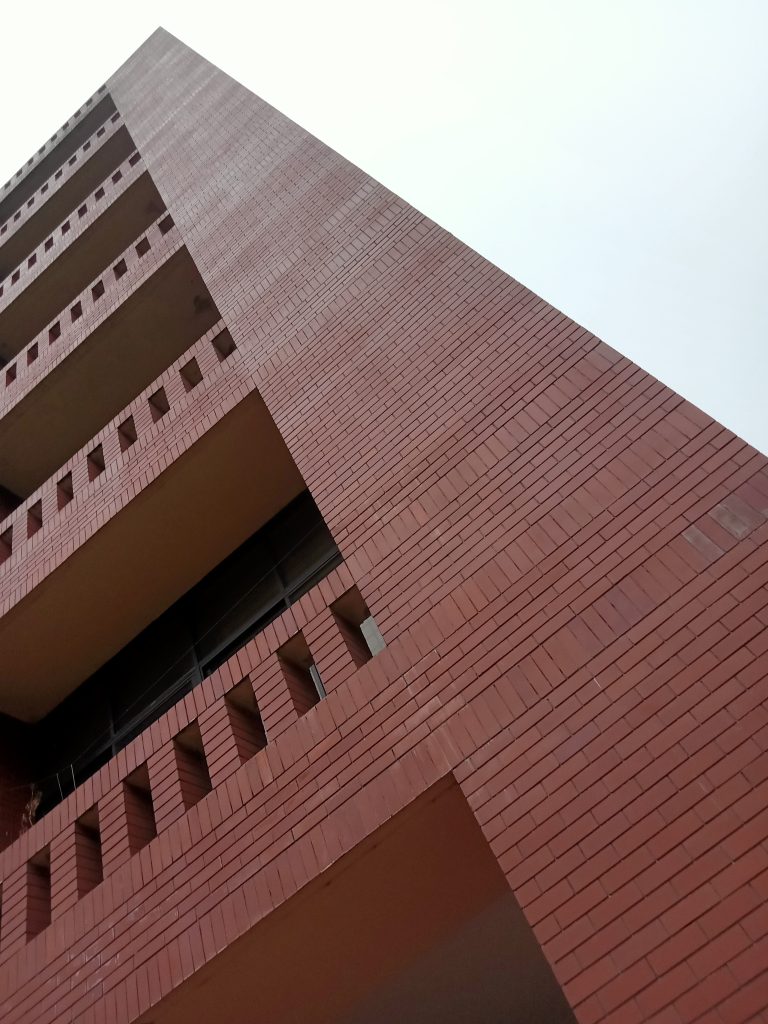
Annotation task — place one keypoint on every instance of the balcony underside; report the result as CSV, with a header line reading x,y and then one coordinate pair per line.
x,y
230,482
120,357
89,255
50,213
416,924
81,130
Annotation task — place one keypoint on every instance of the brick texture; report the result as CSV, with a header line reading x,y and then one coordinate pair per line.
x,y
569,564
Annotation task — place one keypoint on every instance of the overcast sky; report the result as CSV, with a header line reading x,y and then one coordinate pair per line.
x,y
612,155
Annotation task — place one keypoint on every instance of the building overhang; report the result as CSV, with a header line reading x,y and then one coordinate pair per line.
x,y
196,512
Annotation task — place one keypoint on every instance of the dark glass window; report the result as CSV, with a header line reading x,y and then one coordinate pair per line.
x,y
237,599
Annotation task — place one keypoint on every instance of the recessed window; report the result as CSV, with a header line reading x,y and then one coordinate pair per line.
x,y
99,194
64,492
34,518
97,291
32,261
158,404
166,224
38,893
54,332
88,863
6,544
10,375
96,462
142,247
32,353
65,227
223,345
357,626
139,809
245,721
82,211
301,674
126,433
194,778
190,374
119,269
76,311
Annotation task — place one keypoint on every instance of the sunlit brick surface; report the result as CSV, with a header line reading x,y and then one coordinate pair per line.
x,y
569,564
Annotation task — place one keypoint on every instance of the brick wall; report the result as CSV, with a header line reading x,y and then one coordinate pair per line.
x,y
568,561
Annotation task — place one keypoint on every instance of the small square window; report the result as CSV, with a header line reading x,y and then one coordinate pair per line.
x,y
223,345
96,462
190,374
158,404
126,433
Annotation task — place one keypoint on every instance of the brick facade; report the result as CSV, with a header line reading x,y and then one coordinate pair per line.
x,y
568,562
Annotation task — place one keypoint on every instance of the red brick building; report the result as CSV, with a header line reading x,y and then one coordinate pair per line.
x,y
375,642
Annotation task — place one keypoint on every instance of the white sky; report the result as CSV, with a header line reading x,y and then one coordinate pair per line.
x,y
610,154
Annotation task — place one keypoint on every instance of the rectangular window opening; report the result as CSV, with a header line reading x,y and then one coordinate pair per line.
x,y
194,779
301,675
6,544
97,291
223,345
245,721
34,518
126,433
64,491
357,626
142,247
32,353
10,375
96,462
38,893
139,810
88,861
54,332
158,404
190,374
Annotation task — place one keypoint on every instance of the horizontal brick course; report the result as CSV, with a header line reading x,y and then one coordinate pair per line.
x,y
569,564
